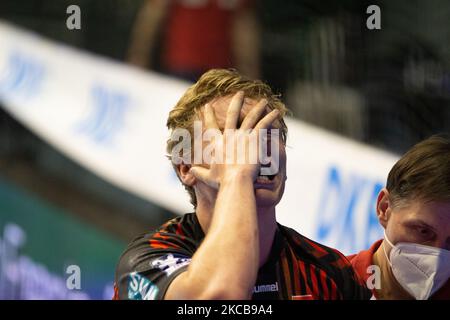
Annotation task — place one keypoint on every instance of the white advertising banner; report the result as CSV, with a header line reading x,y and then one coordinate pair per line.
x,y
110,118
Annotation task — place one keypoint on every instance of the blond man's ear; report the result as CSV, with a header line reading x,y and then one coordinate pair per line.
x,y
185,175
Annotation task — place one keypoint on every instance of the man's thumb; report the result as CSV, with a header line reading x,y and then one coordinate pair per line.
x,y
202,174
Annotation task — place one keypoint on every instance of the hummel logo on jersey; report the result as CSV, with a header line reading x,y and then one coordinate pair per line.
x,y
266,288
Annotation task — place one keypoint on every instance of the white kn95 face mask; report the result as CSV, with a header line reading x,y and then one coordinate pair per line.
x,y
420,270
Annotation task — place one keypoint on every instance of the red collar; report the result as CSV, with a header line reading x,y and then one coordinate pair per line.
x,y
362,260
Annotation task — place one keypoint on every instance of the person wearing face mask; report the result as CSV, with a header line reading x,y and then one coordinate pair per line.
x,y
413,259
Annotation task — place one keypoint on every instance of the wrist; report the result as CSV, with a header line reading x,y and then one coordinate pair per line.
x,y
239,176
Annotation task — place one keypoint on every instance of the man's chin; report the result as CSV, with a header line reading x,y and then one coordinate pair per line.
x,y
266,198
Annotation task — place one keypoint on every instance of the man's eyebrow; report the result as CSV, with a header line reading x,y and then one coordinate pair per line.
x,y
420,221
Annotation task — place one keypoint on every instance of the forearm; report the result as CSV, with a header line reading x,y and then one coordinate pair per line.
x,y
233,241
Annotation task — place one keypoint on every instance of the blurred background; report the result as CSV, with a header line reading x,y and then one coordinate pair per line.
x,y
386,89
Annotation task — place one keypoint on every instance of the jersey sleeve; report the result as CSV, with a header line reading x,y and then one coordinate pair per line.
x,y
149,264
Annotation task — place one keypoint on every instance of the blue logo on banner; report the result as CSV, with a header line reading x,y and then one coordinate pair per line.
x,y
23,76
107,115
347,217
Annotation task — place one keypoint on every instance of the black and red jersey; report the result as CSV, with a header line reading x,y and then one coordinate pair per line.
x,y
297,267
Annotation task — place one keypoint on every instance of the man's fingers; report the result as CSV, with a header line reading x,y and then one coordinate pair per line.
x,y
234,110
210,117
254,115
267,121
202,174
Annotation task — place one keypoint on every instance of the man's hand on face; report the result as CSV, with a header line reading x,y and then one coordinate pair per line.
x,y
240,138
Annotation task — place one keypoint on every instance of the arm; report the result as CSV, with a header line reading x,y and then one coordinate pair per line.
x,y
145,30
225,265
233,238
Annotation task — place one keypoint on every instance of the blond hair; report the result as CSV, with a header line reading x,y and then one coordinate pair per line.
x,y
214,84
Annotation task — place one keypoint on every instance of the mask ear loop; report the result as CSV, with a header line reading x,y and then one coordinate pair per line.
x,y
384,249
